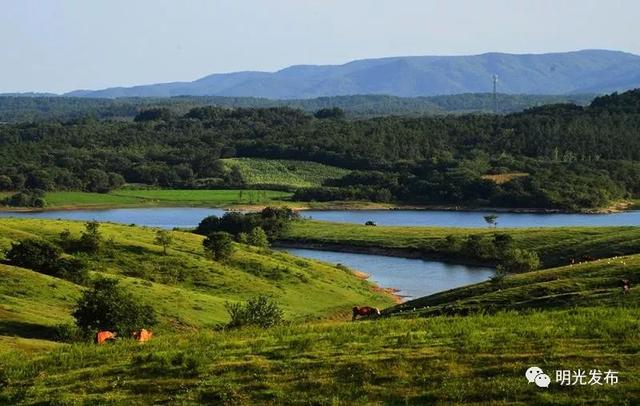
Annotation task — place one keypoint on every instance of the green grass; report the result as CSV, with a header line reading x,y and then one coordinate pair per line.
x,y
162,197
187,289
586,284
556,246
479,359
288,173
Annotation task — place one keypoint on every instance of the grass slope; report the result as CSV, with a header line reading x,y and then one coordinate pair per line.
x,y
555,246
187,289
479,359
287,173
592,283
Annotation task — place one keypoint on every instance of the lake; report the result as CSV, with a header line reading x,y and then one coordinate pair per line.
x,y
412,277
169,217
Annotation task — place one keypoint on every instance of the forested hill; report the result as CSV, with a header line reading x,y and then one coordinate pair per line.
x,y
587,71
39,108
557,156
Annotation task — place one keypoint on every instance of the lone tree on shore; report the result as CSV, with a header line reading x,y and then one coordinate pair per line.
x,y
163,238
491,219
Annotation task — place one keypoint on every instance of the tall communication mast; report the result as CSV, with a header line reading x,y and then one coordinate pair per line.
x,y
495,94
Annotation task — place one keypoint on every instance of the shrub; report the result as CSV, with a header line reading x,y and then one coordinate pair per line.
x,y
107,306
219,245
519,260
67,333
44,257
258,238
35,254
258,311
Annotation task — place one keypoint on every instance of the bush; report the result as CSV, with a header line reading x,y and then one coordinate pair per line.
x,y
38,255
44,257
257,237
68,333
259,311
219,245
518,260
107,306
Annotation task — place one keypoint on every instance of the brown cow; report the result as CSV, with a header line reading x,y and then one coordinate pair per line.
x,y
142,335
365,311
104,336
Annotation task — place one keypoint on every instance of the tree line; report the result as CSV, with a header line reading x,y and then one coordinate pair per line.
x,y
573,156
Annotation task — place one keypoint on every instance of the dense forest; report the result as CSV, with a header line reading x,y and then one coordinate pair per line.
x,y
39,107
565,156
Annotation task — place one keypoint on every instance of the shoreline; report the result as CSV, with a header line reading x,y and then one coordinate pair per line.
x,y
620,207
409,253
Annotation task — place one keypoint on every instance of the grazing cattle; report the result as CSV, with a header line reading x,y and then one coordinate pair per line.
x,y
105,336
142,335
365,311
626,286
588,258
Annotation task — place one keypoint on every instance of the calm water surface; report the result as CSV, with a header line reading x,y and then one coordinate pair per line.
x,y
169,217
412,277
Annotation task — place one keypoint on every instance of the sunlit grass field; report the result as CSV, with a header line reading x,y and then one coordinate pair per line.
x,y
478,359
161,197
289,173
187,289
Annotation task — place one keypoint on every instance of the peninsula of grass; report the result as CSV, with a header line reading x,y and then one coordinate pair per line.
x,y
68,200
555,245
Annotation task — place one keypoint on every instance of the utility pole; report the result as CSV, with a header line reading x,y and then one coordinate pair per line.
x,y
495,94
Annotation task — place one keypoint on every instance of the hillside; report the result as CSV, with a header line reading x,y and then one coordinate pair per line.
x,y
23,108
586,71
586,284
187,289
476,359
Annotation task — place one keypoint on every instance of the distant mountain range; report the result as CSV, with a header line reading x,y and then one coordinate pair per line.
x,y
588,71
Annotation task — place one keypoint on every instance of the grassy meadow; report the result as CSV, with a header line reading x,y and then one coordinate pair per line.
x,y
187,289
160,198
469,345
284,173
478,359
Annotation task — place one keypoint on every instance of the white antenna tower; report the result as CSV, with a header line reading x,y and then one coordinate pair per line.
x,y
495,95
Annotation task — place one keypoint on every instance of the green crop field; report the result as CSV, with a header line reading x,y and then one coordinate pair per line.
x,y
288,173
555,245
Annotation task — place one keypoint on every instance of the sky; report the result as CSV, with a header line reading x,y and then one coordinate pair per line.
x,y
62,45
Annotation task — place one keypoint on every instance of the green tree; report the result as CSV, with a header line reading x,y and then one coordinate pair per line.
x,y
163,238
219,245
258,237
33,254
107,306
5,182
91,238
491,220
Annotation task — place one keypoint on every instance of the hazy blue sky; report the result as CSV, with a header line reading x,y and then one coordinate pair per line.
x,y
61,45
